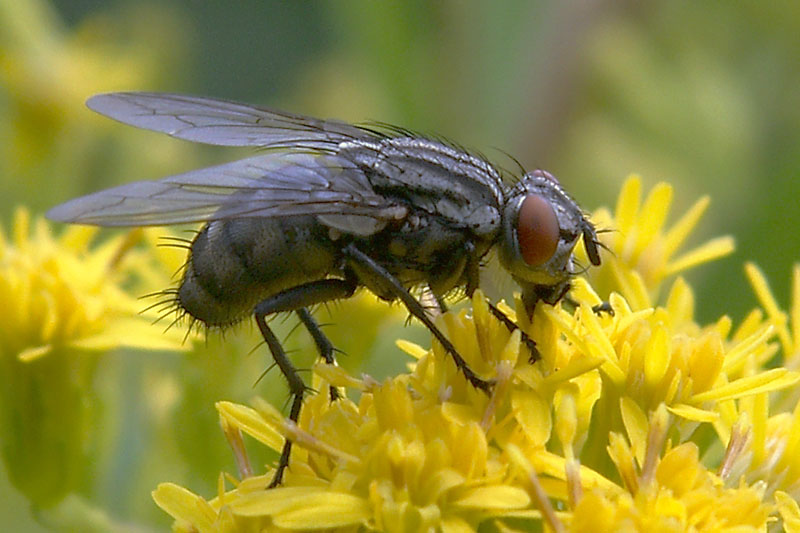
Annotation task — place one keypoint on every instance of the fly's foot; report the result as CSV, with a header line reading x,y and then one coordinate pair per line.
x,y
532,349
603,307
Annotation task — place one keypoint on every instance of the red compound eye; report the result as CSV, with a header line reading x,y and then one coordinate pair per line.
x,y
537,230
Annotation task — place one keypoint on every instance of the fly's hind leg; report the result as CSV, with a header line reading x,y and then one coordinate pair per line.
x,y
296,387
298,299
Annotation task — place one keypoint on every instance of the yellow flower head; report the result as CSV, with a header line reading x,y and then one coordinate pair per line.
x,y
63,302
64,295
640,419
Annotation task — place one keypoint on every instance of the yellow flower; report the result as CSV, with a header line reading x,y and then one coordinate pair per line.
x,y
63,302
66,296
640,420
673,492
764,428
642,252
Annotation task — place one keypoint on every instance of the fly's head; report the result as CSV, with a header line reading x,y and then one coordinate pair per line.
x,y
541,225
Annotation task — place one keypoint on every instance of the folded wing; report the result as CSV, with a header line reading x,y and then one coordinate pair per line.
x,y
220,122
268,185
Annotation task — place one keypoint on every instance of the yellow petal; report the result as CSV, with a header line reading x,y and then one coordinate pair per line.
x,y
790,513
251,422
738,355
656,362
693,413
455,524
31,354
680,301
628,205
682,228
771,380
133,333
494,497
337,376
323,511
706,361
533,414
711,250
414,350
269,502
184,505
654,213
636,426
761,287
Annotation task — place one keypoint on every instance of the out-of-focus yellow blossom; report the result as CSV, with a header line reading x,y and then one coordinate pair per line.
x,y
63,303
640,420
64,294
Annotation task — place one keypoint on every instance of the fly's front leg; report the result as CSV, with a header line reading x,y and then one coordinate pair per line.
x,y
473,279
599,309
392,284
298,299
530,343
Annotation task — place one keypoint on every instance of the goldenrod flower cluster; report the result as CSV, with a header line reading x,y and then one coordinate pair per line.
x,y
640,419
64,302
636,420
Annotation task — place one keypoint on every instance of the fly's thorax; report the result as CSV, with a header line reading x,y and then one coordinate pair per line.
x,y
541,225
234,264
432,177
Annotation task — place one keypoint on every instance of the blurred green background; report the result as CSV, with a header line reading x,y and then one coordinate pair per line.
x,y
704,95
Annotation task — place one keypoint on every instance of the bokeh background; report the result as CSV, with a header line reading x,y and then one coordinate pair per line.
x,y
704,95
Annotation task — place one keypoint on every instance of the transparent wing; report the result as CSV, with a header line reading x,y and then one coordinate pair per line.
x,y
220,122
269,185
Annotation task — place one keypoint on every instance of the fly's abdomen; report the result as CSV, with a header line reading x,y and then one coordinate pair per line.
x,y
234,264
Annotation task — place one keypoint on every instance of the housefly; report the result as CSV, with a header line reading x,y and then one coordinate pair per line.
x,y
328,207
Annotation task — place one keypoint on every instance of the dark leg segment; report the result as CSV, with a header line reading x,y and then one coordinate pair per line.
x,y
297,299
324,345
530,343
306,295
416,309
296,387
603,307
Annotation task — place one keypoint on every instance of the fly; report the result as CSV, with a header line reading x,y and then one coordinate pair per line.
x,y
330,207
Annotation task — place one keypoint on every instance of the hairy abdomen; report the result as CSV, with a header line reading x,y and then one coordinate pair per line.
x,y
235,264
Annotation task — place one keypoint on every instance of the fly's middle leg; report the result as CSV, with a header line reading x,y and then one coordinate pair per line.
x,y
298,299
324,345
391,283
